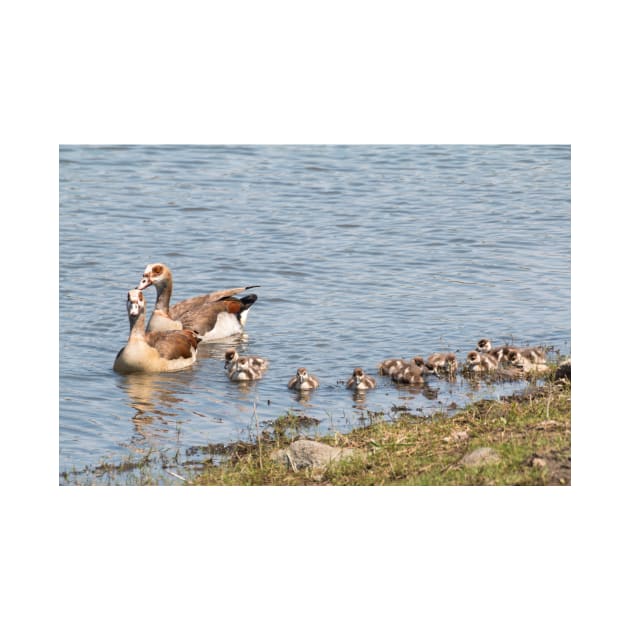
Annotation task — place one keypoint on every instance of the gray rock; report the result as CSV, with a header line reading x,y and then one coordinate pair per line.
x,y
480,457
309,453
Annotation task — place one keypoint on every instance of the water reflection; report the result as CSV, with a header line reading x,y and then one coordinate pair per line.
x,y
477,381
217,349
412,391
151,395
303,396
156,403
359,396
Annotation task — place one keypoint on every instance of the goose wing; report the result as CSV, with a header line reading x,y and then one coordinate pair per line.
x,y
202,317
173,344
176,311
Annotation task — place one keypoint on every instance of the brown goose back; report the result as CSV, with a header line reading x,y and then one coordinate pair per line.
x,y
201,315
173,344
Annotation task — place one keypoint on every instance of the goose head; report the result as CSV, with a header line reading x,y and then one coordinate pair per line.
x,y
473,358
484,345
135,303
358,375
157,274
230,357
515,358
301,374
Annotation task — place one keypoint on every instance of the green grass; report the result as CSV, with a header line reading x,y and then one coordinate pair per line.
x,y
530,432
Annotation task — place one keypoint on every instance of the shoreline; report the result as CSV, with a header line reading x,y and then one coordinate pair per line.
x,y
523,439
526,437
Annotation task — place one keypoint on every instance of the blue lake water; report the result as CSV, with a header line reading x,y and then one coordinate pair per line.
x,y
362,253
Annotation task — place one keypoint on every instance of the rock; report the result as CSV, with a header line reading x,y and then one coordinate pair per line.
x,y
480,457
309,453
539,462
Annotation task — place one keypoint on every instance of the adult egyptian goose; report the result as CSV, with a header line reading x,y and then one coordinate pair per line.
x,y
442,362
243,370
162,351
480,362
303,380
213,316
360,380
232,356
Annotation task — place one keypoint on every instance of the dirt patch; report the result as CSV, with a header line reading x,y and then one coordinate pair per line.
x,y
556,463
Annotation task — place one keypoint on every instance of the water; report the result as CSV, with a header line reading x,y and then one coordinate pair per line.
x,y
362,253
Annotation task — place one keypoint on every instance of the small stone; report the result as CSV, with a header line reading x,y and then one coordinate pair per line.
x,y
310,454
480,457
539,462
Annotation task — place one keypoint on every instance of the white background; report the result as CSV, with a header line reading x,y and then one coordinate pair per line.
x,y
306,72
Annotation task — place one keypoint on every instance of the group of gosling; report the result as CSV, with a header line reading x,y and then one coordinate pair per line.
x,y
510,361
173,333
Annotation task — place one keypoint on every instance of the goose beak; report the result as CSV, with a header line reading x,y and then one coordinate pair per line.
x,y
144,283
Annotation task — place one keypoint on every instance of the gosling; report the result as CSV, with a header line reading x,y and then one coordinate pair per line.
x,y
360,381
480,362
243,370
303,380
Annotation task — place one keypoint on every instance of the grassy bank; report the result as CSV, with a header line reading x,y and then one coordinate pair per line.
x,y
529,436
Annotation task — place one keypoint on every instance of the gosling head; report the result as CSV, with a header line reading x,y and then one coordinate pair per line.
x,y
484,345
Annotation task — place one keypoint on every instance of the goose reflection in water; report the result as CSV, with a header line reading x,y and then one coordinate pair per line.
x,y
359,398
303,396
153,398
430,393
